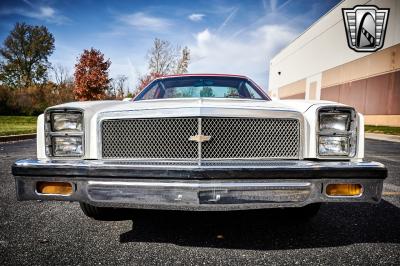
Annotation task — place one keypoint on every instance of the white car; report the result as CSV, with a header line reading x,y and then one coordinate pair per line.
x,y
200,142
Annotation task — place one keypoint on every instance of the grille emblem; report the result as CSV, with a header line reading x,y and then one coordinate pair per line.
x,y
199,138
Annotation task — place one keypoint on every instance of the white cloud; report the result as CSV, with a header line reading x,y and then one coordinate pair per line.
x,y
203,37
143,21
248,55
196,17
46,13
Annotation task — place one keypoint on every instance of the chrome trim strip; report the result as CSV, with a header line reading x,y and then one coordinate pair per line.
x,y
180,163
199,144
240,164
202,185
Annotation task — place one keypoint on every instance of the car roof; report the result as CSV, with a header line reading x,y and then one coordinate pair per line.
x,y
202,75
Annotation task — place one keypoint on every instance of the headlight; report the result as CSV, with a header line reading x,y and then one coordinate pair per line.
x,y
66,121
64,129
67,146
333,146
334,121
336,132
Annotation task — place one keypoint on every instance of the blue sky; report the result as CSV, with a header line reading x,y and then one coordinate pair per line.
x,y
224,36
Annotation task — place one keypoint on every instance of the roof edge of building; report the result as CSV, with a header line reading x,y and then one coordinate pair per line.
x,y
306,30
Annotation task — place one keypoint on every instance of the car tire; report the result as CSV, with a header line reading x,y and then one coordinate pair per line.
x,y
100,213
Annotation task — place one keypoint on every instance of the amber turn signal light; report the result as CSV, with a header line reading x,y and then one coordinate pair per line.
x,y
59,188
343,189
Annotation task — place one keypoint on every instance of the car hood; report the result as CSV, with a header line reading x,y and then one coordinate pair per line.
x,y
223,103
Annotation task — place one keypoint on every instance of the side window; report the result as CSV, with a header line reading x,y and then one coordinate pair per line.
x,y
151,93
252,92
231,92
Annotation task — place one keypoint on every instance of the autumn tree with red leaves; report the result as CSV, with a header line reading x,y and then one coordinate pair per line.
x,y
91,76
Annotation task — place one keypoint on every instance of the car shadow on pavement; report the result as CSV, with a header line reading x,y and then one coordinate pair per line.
x,y
335,225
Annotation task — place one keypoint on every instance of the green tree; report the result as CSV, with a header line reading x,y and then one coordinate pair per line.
x,y
25,55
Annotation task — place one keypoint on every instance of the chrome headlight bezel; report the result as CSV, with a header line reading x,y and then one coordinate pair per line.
x,y
51,133
344,126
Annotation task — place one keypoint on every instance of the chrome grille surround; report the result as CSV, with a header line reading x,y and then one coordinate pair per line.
x,y
231,138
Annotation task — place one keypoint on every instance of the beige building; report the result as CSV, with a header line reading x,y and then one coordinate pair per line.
x,y
320,65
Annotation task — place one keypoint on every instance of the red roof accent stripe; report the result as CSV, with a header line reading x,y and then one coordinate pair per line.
x,y
203,74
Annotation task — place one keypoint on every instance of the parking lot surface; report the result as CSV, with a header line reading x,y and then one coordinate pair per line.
x,y
42,233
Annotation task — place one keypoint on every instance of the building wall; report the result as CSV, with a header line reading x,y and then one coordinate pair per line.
x,y
320,65
378,95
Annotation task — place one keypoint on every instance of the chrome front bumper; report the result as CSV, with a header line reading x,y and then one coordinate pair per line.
x,y
271,184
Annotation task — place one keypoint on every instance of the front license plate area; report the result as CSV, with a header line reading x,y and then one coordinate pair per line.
x,y
193,196
249,196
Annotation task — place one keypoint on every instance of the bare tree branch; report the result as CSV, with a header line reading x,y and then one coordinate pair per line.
x,y
61,74
165,59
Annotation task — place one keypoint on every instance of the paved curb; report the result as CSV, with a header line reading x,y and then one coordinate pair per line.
x,y
17,137
393,138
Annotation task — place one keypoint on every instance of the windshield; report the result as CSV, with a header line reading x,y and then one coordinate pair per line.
x,y
194,87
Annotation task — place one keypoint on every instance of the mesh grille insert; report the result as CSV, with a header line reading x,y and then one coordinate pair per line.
x,y
168,138
149,138
250,138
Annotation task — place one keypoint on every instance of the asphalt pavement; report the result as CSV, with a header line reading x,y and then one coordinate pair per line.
x,y
48,233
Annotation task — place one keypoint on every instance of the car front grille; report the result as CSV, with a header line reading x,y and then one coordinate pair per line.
x,y
231,138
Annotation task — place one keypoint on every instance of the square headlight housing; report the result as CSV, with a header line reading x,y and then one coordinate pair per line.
x,y
64,130
336,132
